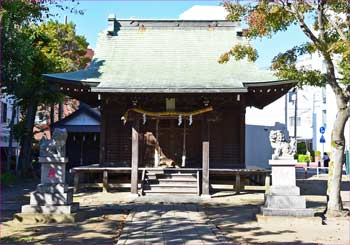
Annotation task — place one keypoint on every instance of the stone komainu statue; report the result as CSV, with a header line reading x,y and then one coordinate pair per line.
x,y
56,146
283,148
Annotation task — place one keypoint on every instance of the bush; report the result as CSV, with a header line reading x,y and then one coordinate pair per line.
x,y
7,178
317,153
304,158
301,148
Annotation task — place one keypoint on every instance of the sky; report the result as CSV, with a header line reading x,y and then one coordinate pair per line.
x,y
94,20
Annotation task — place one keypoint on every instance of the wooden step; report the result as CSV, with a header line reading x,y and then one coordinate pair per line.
x,y
165,189
152,172
173,181
170,185
171,176
176,191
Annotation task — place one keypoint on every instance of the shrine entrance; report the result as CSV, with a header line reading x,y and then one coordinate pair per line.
x,y
176,142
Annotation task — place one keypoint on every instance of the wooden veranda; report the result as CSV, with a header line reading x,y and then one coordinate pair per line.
x,y
258,179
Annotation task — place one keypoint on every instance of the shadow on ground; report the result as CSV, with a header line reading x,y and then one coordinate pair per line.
x,y
94,225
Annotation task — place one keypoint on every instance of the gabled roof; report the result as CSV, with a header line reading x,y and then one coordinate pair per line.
x,y
167,56
85,119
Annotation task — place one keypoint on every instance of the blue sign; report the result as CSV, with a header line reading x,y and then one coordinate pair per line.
x,y
322,130
322,139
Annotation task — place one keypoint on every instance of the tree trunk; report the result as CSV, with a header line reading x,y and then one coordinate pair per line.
x,y
334,206
9,153
26,142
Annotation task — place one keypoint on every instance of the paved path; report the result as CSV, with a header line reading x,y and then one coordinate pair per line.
x,y
168,224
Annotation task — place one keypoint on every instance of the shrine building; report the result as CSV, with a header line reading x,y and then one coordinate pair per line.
x,y
168,107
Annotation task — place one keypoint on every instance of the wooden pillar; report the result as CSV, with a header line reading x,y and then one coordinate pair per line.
x,y
238,183
205,157
134,156
103,133
60,110
105,181
76,181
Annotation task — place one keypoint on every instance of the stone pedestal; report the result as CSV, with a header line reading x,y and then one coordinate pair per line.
x,y
283,198
53,199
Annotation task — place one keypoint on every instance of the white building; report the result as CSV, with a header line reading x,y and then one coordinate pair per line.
x,y
316,107
6,109
323,105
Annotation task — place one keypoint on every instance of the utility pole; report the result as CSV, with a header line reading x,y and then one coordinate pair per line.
x,y
295,112
286,111
60,105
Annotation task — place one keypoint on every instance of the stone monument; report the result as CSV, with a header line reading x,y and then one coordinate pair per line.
x,y
52,201
283,197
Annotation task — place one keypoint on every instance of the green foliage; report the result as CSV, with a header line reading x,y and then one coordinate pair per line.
x,y
317,154
240,52
7,179
266,18
304,158
235,10
301,148
31,47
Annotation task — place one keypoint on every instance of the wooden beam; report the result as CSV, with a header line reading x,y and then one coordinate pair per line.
x,y
205,157
134,156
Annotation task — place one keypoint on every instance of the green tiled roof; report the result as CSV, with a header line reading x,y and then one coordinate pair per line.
x,y
167,56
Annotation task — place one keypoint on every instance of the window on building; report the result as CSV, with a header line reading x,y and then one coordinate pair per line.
x,y
3,112
291,121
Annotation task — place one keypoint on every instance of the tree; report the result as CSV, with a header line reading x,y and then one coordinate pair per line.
x,y
30,49
329,36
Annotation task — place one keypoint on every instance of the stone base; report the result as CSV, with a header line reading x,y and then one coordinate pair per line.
x,y
27,218
285,202
205,196
284,190
51,188
55,198
50,209
296,212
